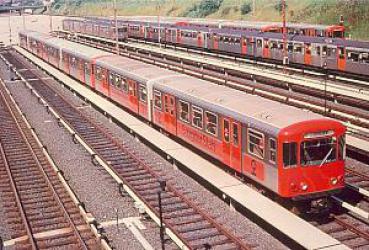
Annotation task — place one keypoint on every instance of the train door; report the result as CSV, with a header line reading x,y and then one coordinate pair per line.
x,y
266,48
226,138
170,114
87,73
205,38
243,46
235,146
66,62
132,96
341,59
215,42
81,68
307,55
199,40
178,36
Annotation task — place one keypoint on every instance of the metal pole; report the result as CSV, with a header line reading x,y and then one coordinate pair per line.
x,y
116,27
285,55
162,188
159,32
50,17
325,86
23,17
161,222
10,28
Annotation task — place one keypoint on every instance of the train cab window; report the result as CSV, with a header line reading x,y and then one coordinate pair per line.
x,y
197,117
255,143
157,100
290,155
142,93
342,148
226,130
272,150
184,111
211,123
318,151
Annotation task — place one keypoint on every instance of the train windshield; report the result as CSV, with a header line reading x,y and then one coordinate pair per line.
x,y
318,152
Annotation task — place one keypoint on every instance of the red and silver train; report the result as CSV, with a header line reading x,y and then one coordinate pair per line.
x,y
296,154
333,55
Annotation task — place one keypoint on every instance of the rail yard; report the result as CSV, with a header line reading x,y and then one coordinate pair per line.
x,y
182,133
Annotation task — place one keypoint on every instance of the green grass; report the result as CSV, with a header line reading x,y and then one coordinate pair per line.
x,y
355,12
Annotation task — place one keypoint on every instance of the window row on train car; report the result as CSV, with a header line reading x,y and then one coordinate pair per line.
x,y
208,122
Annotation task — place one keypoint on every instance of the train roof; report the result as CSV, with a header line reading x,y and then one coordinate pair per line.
x,y
83,51
133,69
266,115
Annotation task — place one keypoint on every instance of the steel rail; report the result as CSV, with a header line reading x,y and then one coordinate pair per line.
x,y
45,177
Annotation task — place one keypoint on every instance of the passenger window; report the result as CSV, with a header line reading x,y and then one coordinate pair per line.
x,y
87,69
289,154
235,134
124,85
197,117
157,100
98,73
118,81
256,143
259,43
142,93
226,130
184,111
211,123
272,150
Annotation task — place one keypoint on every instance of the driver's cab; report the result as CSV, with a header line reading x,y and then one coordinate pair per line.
x,y
312,158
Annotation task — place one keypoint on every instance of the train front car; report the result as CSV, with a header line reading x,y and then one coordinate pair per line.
x,y
311,162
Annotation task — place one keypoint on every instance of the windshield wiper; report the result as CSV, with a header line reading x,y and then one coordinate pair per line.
x,y
326,157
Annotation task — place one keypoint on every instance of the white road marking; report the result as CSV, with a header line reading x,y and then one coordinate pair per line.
x,y
134,225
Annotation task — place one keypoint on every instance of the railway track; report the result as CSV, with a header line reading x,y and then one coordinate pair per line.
x,y
183,220
352,111
347,229
357,179
40,211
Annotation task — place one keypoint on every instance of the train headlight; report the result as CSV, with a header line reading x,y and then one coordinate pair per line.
x,y
334,181
304,186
